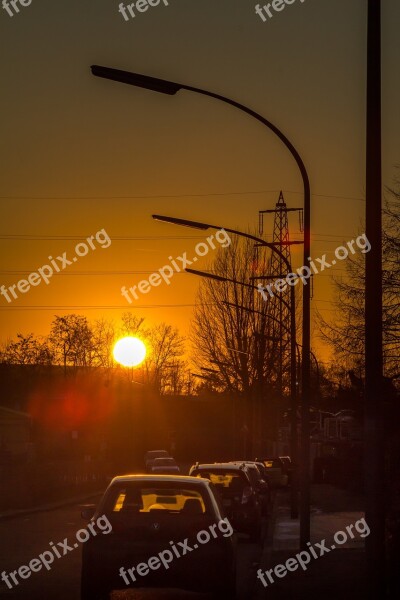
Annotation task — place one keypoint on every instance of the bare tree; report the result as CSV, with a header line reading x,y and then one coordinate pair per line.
x,y
103,338
164,368
231,329
74,343
174,377
391,282
166,349
71,341
27,350
132,325
345,332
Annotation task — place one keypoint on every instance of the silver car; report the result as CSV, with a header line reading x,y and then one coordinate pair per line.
x,y
165,465
151,515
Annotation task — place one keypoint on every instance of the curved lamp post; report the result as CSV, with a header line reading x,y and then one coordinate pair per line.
x,y
259,241
171,88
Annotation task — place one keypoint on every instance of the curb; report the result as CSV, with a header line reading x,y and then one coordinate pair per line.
x,y
14,514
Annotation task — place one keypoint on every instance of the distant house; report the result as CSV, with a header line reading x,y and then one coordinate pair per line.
x,y
342,426
15,434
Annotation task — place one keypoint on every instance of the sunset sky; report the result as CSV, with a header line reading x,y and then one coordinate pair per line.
x,y
81,154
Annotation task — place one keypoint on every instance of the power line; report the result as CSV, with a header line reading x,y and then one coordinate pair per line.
x,y
22,237
106,273
191,195
117,307
99,307
31,237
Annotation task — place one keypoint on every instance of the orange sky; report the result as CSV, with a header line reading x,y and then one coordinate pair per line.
x,y
79,154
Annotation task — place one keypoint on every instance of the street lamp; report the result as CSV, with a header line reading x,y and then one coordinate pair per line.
x,y
171,88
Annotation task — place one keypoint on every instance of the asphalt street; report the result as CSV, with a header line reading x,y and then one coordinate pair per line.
x,y
26,537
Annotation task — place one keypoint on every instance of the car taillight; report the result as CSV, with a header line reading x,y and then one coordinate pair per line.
x,y
247,494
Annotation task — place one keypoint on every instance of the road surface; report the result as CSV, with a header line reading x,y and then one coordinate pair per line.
x,y
26,537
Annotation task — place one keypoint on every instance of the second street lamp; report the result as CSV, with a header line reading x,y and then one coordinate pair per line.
x,y
305,437
304,515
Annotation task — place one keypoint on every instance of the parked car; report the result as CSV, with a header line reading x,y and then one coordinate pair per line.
x,y
151,455
259,481
262,468
146,512
287,466
238,494
275,470
165,465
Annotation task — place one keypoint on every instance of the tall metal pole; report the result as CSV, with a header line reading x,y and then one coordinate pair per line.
x,y
374,434
305,384
294,484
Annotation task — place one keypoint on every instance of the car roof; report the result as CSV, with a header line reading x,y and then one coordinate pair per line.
x,y
158,466
232,466
158,478
205,484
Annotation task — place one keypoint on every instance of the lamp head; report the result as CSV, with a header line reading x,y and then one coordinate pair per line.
x,y
143,81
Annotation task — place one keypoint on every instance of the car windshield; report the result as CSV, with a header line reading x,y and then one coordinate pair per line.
x,y
273,464
141,498
224,480
164,462
153,454
262,469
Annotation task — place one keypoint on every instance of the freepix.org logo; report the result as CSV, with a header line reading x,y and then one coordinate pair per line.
x,y
307,271
303,558
46,559
130,11
176,550
275,6
46,272
167,272
11,6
